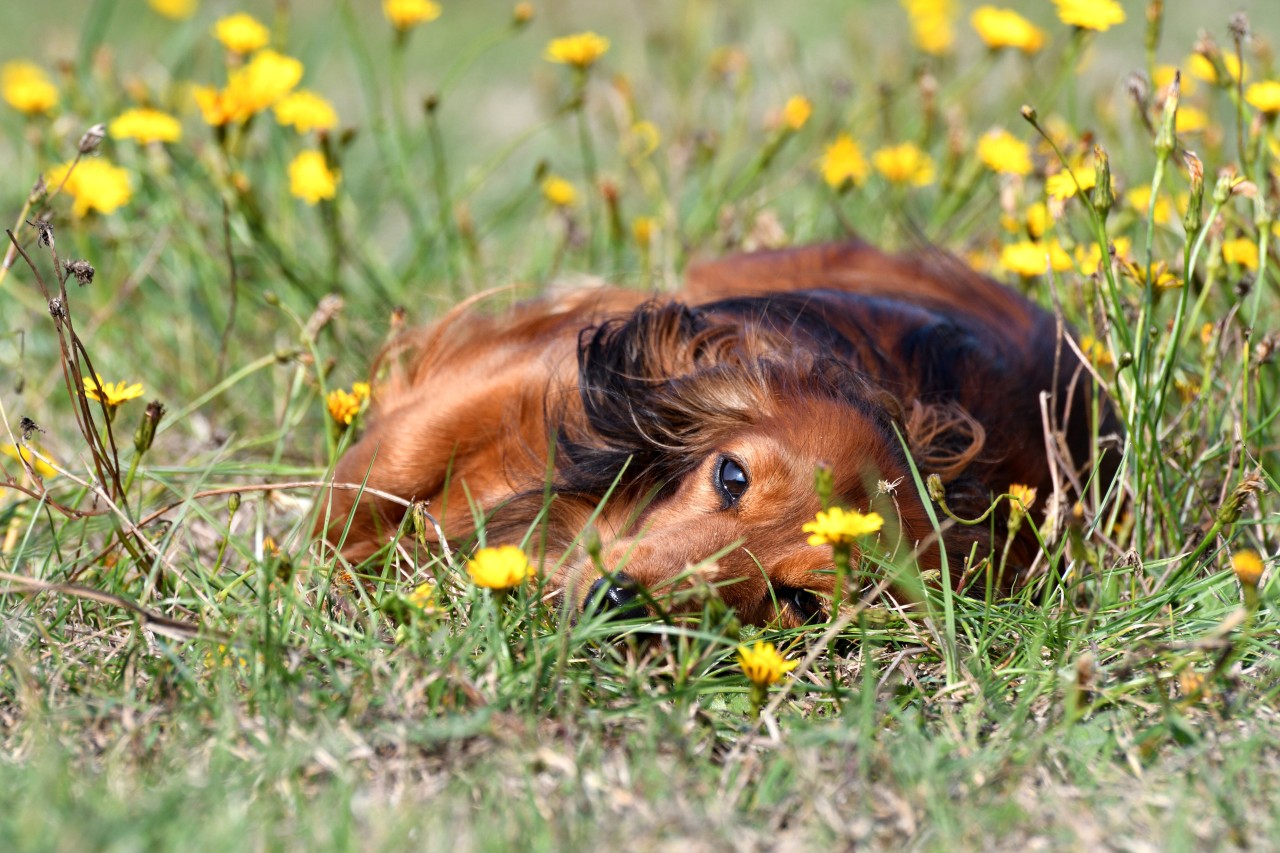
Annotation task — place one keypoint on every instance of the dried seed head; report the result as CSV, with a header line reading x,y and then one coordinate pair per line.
x,y
1238,26
82,270
1138,88
55,308
37,191
29,428
92,138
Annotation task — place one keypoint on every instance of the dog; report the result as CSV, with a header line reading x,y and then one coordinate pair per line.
x,y
686,431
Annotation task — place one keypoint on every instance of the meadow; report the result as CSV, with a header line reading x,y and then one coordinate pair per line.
x,y
223,211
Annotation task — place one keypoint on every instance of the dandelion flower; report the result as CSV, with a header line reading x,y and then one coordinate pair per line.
x,y
762,664
1190,120
1098,15
267,78
93,184
423,597
931,24
838,526
999,28
111,393
642,229
42,468
1248,567
842,162
1241,251
1264,96
1096,351
1031,258
499,568
1164,77
1063,186
796,112
406,14
1089,259
580,50
559,192
1024,495
217,106
343,406
306,111
145,125
241,33
1201,66
904,164
174,10
1003,153
27,88
311,179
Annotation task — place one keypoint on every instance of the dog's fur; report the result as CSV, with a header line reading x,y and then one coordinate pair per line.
x,y
832,355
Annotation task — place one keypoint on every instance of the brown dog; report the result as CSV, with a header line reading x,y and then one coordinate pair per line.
x,y
688,431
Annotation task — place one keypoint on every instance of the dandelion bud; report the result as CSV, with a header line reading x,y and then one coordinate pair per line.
x,y
1222,189
1103,196
233,503
1238,26
1029,113
82,270
146,433
270,298
1166,135
1155,23
934,485
522,14
1229,512
824,483
92,138
420,519
1193,220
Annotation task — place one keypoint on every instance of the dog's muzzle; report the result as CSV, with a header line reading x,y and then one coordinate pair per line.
x,y
618,597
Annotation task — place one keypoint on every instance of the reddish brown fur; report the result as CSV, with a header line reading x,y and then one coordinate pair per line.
x,y
790,360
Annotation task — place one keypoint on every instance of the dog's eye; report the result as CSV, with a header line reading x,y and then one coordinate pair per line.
x,y
730,480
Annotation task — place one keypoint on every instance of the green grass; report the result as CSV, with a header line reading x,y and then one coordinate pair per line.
x,y
193,684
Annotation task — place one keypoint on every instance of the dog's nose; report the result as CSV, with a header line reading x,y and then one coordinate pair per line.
x,y
617,597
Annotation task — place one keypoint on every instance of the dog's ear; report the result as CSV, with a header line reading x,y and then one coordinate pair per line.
x,y
944,438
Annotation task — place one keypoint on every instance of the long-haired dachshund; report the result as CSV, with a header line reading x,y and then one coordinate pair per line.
x,y
686,431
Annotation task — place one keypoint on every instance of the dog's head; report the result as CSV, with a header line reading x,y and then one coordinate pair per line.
x,y
705,428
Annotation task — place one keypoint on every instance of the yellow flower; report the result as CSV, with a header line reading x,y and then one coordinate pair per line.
x,y
405,14
1062,186
1003,153
217,106
1006,28
27,88
796,112
762,664
94,184
311,179
176,10
1098,15
1031,258
1090,258
904,164
1248,567
1199,65
558,191
522,13
112,393
499,568
1139,198
643,229
267,78
1242,251
306,111
345,405
1264,96
842,161
423,597
42,468
1035,222
1024,495
1160,275
241,33
643,139
1096,351
146,126
1190,120
580,50
838,526
931,23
